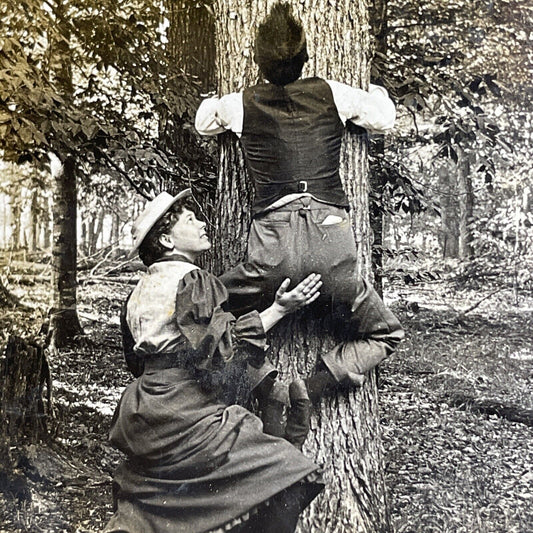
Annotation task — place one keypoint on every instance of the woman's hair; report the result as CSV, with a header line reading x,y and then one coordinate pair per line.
x,y
151,249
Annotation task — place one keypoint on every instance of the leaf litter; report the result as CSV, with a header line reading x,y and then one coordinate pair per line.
x,y
449,468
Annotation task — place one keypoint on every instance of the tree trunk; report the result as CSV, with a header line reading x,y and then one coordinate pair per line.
x,y
192,40
16,211
114,234
191,50
35,228
96,231
64,322
449,233
4,220
378,19
91,224
115,228
46,224
346,433
83,238
466,204
24,372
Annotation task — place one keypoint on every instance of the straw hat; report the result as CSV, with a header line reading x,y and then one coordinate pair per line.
x,y
153,211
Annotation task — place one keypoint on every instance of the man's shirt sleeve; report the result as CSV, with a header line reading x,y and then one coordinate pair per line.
x,y
216,115
372,109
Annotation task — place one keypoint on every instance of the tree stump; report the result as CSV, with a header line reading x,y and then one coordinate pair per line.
x,y
24,375
6,298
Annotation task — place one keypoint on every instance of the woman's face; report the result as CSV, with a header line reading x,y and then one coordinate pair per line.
x,y
188,236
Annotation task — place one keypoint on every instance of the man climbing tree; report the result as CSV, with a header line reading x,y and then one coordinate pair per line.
x,y
291,132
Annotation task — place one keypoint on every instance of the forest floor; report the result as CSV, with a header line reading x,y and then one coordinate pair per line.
x,y
456,408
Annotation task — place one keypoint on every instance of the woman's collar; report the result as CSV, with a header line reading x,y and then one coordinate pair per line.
x,y
174,257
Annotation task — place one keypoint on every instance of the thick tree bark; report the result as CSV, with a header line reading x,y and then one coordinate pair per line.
x,y
191,50
192,42
346,434
64,323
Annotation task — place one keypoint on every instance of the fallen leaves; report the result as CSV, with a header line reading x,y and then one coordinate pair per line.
x,y
451,469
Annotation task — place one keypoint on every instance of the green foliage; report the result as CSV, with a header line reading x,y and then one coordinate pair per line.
x,y
122,84
459,72
441,72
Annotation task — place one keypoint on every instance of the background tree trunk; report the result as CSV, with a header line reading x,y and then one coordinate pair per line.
x,y
16,212
114,234
98,226
5,218
449,234
24,374
83,238
64,322
35,227
192,40
46,225
346,433
90,236
466,204
379,25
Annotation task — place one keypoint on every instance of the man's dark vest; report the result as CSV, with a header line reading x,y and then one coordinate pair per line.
x,y
292,138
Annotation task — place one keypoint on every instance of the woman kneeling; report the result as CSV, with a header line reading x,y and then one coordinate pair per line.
x,y
195,461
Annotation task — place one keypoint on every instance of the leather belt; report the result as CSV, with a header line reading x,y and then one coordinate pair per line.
x,y
161,361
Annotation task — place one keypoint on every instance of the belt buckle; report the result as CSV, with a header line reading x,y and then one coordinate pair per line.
x,y
302,186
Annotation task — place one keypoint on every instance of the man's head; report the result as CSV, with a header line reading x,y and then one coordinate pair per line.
x,y
168,224
280,46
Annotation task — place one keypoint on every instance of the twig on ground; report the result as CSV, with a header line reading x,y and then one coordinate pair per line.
x,y
512,413
103,260
111,279
119,266
472,307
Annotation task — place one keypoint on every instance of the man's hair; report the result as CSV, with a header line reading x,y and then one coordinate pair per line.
x,y
151,249
280,47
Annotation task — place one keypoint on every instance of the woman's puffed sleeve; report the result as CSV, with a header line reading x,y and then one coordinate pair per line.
x,y
216,336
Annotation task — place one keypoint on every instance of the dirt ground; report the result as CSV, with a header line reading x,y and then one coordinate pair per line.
x,y
457,415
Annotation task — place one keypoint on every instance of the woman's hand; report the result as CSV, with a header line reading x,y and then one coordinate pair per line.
x,y
303,294
306,292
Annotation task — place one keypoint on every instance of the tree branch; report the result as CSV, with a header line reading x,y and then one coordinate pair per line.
x,y
125,175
